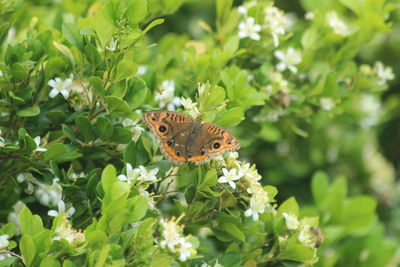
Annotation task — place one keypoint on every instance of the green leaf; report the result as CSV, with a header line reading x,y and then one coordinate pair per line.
x,y
319,187
65,51
85,127
96,238
108,178
289,206
125,69
232,229
97,85
54,67
296,252
118,107
121,135
209,179
28,112
30,224
153,24
231,259
72,33
28,249
56,116
359,214
137,93
54,151
104,128
92,54
137,10
50,261
272,191
230,117
136,154
231,45
139,209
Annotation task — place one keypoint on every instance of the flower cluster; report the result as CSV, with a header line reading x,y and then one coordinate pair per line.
x,y
275,22
139,174
134,127
65,232
338,26
173,239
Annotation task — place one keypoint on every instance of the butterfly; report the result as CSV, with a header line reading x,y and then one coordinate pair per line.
x,y
185,140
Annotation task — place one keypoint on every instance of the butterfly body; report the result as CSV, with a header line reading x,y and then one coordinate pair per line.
x,y
183,139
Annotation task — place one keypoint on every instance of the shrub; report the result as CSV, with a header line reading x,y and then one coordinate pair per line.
x,y
83,183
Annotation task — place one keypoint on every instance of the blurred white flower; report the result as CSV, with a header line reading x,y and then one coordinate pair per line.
x,y
309,15
165,96
306,237
247,28
242,10
28,177
384,73
292,223
276,22
185,249
142,69
258,202
339,26
4,241
49,195
61,208
215,265
326,103
13,217
143,192
229,177
288,59
278,79
38,148
170,234
74,176
1,139
201,88
112,44
72,236
190,107
60,87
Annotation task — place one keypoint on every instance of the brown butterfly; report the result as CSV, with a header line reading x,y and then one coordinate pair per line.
x,y
183,139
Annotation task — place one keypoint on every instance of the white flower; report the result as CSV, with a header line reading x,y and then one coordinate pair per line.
x,y
2,142
4,255
292,223
258,202
28,177
73,176
185,249
112,44
247,28
170,234
38,148
150,199
72,236
384,73
165,96
250,174
60,87
201,88
142,69
371,106
4,241
61,208
229,177
278,79
140,174
306,237
339,26
190,107
288,59
309,15
13,217
135,129
326,103
276,22
242,10
49,195
131,174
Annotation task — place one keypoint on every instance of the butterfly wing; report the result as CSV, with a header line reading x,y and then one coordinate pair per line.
x,y
172,129
211,140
